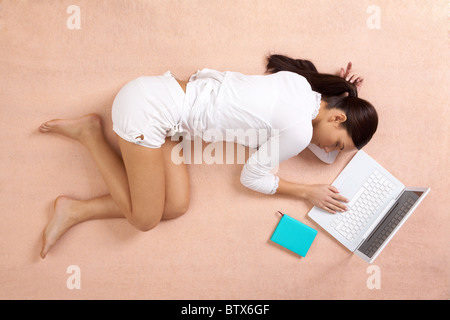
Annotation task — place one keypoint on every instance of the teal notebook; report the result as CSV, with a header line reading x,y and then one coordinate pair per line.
x,y
294,235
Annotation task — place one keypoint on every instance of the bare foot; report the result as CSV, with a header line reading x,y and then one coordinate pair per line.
x,y
64,217
74,128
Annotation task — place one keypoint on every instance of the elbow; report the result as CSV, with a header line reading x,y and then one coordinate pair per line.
x,y
247,181
244,180
265,184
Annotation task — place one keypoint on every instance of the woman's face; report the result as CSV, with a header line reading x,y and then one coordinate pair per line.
x,y
329,134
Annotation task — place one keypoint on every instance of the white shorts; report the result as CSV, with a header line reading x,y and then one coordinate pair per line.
x,y
148,109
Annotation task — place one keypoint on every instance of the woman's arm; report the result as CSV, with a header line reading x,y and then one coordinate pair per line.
x,y
257,173
323,196
326,197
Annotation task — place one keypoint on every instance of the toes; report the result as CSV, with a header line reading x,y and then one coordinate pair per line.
x,y
51,125
44,249
43,128
47,244
43,254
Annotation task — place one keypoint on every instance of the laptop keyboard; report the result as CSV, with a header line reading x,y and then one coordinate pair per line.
x,y
364,204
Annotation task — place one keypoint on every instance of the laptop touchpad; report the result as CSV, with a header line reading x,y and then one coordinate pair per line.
x,y
349,188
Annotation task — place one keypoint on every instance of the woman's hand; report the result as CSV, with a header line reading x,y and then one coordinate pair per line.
x,y
326,197
351,76
323,196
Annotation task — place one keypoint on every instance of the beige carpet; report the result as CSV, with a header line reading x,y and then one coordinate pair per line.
x,y
63,61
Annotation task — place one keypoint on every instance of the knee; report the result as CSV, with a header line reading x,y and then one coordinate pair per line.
x,y
145,223
145,227
176,210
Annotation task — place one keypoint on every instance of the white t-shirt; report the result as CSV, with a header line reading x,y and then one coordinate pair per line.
x,y
271,112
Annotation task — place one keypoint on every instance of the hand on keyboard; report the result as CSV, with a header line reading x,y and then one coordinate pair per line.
x,y
364,204
326,197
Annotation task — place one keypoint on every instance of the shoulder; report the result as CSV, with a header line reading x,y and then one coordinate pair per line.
x,y
293,77
292,85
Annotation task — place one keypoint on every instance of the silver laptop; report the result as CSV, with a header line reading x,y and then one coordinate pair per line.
x,y
379,205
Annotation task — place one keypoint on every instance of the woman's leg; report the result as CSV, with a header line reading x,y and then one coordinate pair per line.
x,y
88,131
177,183
69,212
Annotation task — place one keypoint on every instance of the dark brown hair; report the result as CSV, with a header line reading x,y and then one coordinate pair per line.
x,y
362,118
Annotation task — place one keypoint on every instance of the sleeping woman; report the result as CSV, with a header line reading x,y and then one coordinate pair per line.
x,y
294,105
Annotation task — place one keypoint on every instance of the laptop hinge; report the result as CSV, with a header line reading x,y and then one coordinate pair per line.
x,y
400,194
359,245
380,217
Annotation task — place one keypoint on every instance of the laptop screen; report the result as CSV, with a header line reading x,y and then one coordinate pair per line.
x,y
389,223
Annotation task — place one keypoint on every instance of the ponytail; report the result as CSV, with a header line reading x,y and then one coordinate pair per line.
x,y
362,118
323,83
